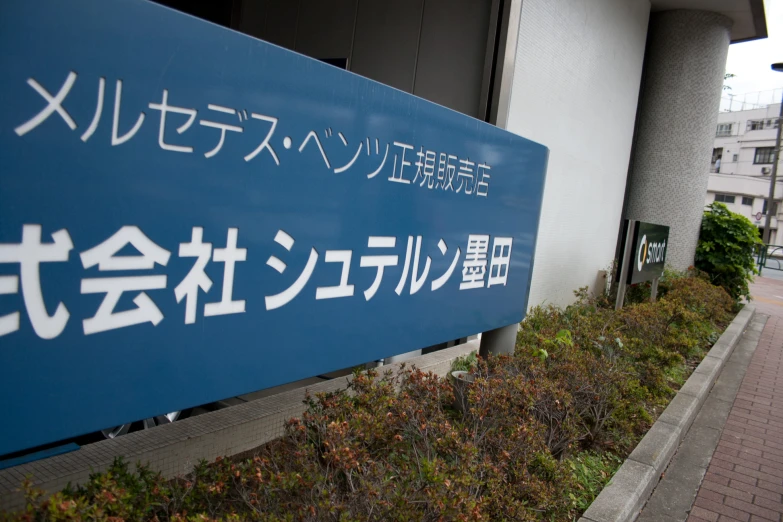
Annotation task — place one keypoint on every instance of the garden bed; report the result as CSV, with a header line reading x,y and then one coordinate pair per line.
x,y
543,432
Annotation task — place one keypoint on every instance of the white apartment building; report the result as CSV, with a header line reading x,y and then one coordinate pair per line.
x,y
744,142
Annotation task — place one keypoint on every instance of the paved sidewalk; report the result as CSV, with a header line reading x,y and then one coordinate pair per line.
x,y
744,480
768,296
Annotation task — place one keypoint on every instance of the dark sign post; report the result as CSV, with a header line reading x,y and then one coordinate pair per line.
x,y
625,253
188,214
644,256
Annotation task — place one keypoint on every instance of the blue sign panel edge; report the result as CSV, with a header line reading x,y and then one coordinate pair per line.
x,y
123,172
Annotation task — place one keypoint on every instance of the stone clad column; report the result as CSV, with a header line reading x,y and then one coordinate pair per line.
x,y
678,110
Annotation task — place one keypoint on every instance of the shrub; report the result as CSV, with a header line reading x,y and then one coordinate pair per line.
x,y
542,433
725,249
465,363
640,292
634,358
591,472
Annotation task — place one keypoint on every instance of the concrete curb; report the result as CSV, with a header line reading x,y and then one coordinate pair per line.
x,y
632,485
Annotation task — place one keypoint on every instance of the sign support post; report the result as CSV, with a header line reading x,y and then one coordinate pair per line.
x,y
624,264
499,341
654,290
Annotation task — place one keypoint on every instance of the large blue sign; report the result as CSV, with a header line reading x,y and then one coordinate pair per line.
x,y
189,214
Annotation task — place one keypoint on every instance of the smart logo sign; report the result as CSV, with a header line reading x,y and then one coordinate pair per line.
x,y
189,214
649,253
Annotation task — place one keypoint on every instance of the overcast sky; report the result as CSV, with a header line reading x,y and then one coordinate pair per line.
x,y
751,61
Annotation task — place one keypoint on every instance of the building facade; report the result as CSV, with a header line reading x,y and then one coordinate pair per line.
x,y
624,93
741,165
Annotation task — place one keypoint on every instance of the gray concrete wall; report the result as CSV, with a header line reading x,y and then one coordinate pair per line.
x,y
575,90
683,77
434,49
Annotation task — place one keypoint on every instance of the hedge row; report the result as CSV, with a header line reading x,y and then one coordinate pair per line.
x,y
544,430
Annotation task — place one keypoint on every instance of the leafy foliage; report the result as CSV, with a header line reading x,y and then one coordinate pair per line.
x,y
465,363
727,76
591,471
725,249
538,440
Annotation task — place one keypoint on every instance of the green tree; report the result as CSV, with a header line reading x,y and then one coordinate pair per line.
x,y
725,249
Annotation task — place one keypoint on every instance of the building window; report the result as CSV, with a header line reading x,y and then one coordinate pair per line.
x,y
774,208
717,153
762,124
724,198
764,156
735,158
724,129
747,201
